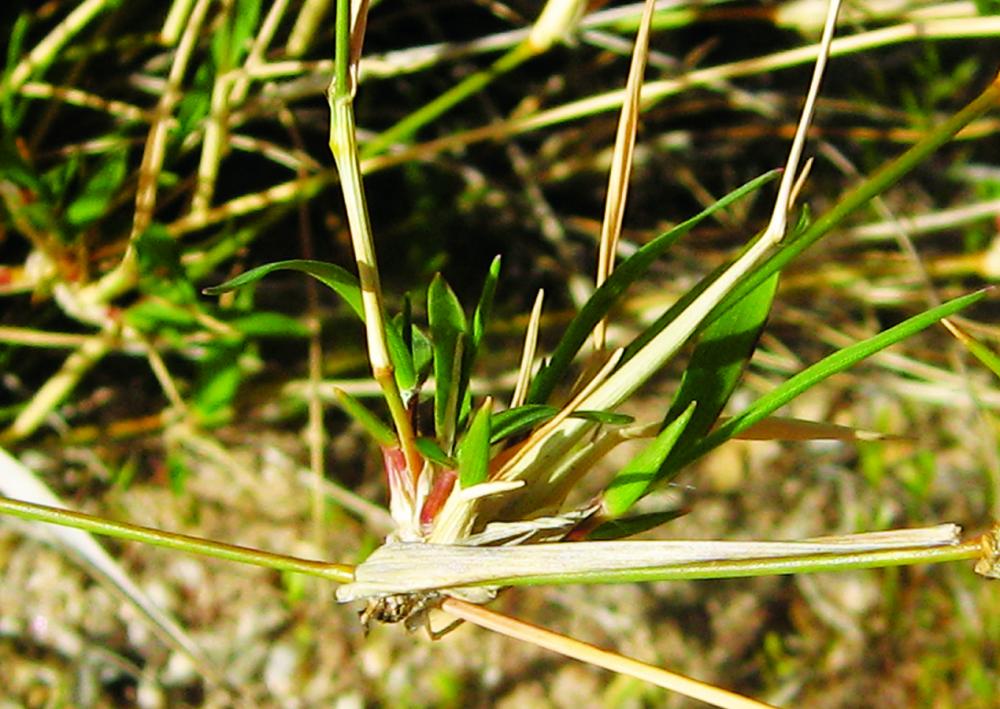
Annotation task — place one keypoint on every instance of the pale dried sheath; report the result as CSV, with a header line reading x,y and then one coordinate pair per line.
x,y
401,568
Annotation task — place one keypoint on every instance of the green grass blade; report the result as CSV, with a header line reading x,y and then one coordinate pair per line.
x,y
347,287
860,195
479,319
430,450
448,328
985,355
634,479
636,524
611,290
485,306
474,451
976,348
723,351
334,277
382,434
827,367
520,419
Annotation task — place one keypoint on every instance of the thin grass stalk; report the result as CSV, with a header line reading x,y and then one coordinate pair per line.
x,y
655,91
343,146
469,86
55,390
89,305
970,550
528,352
122,278
977,548
557,19
338,573
621,165
652,91
306,25
585,652
46,50
119,110
256,56
173,26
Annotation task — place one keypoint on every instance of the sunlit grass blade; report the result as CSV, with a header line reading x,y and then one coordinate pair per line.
x,y
753,567
557,19
484,307
511,422
345,285
429,449
861,194
782,428
621,163
480,317
527,365
473,451
710,378
632,481
718,360
625,527
611,290
448,329
809,377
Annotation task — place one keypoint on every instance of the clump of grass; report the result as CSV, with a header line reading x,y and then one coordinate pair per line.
x,y
472,469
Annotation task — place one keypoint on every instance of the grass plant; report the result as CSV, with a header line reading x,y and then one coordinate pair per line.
x,y
142,168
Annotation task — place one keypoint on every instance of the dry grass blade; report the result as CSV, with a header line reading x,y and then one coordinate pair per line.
x,y
528,353
591,654
621,163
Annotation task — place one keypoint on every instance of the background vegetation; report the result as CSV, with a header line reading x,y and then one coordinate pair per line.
x,y
137,398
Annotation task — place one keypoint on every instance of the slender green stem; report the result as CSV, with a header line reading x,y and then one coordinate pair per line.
x,y
343,145
338,573
342,52
757,567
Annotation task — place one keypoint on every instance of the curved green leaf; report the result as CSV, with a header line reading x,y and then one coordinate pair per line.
x,y
518,420
430,450
269,324
485,306
382,434
827,367
336,278
718,361
634,479
346,286
473,452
